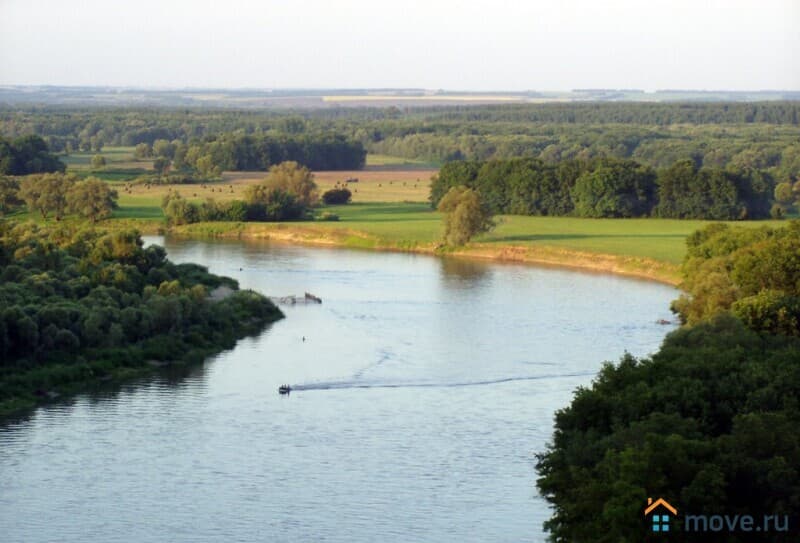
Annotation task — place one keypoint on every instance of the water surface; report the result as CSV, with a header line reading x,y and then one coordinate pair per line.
x,y
425,386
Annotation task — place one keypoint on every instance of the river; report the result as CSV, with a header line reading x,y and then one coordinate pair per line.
x,y
423,388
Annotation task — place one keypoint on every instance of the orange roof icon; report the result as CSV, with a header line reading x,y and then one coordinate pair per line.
x,y
660,502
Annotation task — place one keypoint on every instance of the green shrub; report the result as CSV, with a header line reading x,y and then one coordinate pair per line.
x,y
337,196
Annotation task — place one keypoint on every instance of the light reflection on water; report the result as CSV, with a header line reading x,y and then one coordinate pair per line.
x,y
422,390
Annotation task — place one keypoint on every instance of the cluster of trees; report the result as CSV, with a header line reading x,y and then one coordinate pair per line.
x,y
287,193
753,273
56,194
249,152
609,187
78,305
708,422
787,198
27,154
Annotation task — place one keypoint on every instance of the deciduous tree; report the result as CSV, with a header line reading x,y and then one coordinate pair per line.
x,y
295,179
465,215
92,198
47,193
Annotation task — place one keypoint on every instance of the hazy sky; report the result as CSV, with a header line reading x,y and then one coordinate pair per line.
x,y
451,44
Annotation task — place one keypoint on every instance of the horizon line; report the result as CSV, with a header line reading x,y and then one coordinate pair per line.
x,y
385,88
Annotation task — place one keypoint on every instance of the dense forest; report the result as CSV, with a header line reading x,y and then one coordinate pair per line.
x,y
610,187
743,135
709,422
27,154
81,306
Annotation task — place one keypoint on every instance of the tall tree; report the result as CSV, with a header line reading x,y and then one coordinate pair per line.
x,y
92,198
295,179
465,215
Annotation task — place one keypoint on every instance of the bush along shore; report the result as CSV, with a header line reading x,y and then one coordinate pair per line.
x,y
81,306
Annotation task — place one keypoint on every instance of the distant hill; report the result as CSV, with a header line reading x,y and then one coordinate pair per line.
x,y
14,95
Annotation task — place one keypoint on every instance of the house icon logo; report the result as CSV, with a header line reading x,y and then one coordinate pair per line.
x,y
660,511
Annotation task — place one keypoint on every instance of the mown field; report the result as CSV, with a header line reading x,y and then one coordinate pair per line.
x,y
384,179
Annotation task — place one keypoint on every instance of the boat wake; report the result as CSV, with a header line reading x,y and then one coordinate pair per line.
x,y
339,385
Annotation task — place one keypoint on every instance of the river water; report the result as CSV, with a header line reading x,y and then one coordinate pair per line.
x,y
423,389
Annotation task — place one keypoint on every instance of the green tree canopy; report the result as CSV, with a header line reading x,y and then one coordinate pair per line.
x,y
161,165
92,198
706,423
615,189
9,195
47,193
294,179
753,272
465,215
27,155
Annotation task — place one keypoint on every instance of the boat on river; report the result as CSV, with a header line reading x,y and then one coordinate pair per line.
x,y
284,389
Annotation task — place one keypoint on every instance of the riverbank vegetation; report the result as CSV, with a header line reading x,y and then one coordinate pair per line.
x,y
80,306
287,193
711,161
707,422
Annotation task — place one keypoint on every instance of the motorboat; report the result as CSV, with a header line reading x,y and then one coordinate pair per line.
x,y
284,389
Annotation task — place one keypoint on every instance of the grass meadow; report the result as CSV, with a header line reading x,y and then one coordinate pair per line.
x,y
390,208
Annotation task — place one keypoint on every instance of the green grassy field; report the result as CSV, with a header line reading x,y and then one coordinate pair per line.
x,y
659,239
113,155
120,164
412,223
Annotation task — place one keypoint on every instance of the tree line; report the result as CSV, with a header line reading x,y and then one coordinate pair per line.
x,y
708,422
609,187
81,305
249,152
758,135
56,194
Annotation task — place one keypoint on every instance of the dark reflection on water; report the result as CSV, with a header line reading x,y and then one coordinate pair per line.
x,y
422,390
469,272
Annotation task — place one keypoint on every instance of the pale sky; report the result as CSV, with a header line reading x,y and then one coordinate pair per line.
x,y
449,44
